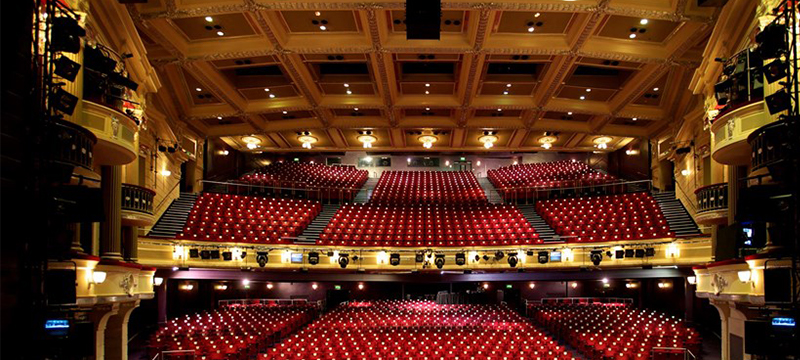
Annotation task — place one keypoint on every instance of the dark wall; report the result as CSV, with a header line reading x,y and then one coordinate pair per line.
x,y
221,167
631,167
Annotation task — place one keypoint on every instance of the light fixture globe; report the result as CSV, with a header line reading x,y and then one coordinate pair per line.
x,y
366,140
251,139
601,142
307,140
427,140
488,139
547,141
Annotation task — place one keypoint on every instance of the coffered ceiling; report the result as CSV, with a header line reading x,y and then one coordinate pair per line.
x,y
576,70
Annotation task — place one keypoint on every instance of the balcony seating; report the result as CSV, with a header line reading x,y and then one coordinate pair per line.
x,y
631,216
520,181
332,181
427,187
428,225
402,329
236,332
613,331
250,219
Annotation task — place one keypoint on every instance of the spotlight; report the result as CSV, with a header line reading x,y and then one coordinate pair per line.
x,y
596,257
512,260
619,254
215,254
777,102
649,252
313,258
628,253
262,258
439,261
639,253
394,259
194,253
63,101
227,256
344,259
543,256
65,35
498,255
772,71
771,41
485,257
162,148
477,258
461,259
419,257
205,254
66,68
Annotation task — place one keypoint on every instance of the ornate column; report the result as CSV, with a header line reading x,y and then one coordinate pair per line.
x,y
100,315
75,232
130,243
116,337
734,173
111,229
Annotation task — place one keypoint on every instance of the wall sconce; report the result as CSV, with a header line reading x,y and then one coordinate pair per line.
x,y
745,275
573,284
314,286
98,277
664,285
360,286
692,280
166,173
686,172
186,287
220,287
270,286
532,285
673,251
157,281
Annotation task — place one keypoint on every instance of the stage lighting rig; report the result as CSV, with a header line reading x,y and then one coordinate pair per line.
x,y
313,258
461,259
394,259
512,260
498,255
543,257
439,261
262,257
344,260
419,257
596,256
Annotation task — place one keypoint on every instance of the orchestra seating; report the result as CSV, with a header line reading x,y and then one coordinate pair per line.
x,y
615,331
329,182
630,216
524,181
427,187
236,332
429,225
251,219
405,329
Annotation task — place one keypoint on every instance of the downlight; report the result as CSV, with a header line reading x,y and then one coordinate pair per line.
x,y
262,258
344,260
439,261
512,260
596,257
461,259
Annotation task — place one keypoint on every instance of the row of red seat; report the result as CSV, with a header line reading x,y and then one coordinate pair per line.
x,y
240,218
528,180
605,218
427,187
404,329
434,225
231,333
608,331
310,175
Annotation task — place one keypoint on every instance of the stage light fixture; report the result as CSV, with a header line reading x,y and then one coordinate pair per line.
x,y
778,101
650,252
194,253
439,261
66,68
63,101
313,258
205,254
512,260
628,253
215,254
477,258
419,257
394,259
498,255
485,257
344,260
619,254
461,259
65,35
639,253
772,40
596,256
262,258
544,257
227,256
775,70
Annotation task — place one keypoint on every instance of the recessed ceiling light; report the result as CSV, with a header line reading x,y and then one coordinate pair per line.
x,y
219,117
266,89
634,119
531,29
271,96
508,85
220,33
427,92
644,21
323,27
427,85
198,89
209,19
588,90
499,109
537,15
427,109
505,92
285,112
569,113
583,97
355,109
632,36
655,89
317,13
346,85
349,92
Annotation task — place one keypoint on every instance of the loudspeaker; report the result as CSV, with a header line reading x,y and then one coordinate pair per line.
x,y
727,238
60,286
423,19
756,337
778,285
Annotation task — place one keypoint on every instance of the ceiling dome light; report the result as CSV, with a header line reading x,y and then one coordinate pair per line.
x,y
644,21
220,33
547,146
271,96
317,13
251,139
266,89
209,19
488,140
655,89
198,89
531,29
355,109
632,36
547,141
602,142
252,146
307,140
323,27
367,140
583,97
505,92
537,15
427,140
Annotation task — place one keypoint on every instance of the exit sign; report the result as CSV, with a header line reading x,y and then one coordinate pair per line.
x,y
337,287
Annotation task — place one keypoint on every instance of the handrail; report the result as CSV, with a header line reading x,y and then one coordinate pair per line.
x,y
258,186
686,352
291,302
166,196
186,352
712,197
588,300
708,186
691,203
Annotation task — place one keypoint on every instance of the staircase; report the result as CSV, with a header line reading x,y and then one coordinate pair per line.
x,y
362,197
491,193
173,220
311,233
679,220
546,233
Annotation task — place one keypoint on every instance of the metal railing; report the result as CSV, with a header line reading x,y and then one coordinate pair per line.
x,y
326,195
164,199
285,302
712,197
178,355
585,300
671,353
70,143
771,144
137,198
529,195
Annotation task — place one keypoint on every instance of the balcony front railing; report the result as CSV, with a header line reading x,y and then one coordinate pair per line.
x,y
137,198
772,143
70,144
712,197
